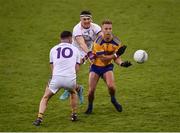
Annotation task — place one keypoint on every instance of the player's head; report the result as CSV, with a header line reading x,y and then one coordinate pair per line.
x,y
86,19
66,36
107,28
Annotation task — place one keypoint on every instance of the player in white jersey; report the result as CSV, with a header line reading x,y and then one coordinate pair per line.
x,y
84,34
87,34
64,62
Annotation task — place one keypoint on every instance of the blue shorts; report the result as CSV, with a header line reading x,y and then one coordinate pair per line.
x,y
101,70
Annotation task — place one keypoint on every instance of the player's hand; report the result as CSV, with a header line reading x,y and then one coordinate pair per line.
x,y
121,51
125,64
91,55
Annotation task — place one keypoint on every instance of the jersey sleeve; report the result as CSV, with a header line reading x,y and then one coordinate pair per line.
x,y
77,31
51,57
97,28
118,42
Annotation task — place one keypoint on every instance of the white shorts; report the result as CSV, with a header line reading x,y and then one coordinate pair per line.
x,y
58,82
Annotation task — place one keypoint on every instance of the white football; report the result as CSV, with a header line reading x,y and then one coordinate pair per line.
x,y
140,56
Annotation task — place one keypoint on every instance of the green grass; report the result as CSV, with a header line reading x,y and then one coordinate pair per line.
x,y
149,92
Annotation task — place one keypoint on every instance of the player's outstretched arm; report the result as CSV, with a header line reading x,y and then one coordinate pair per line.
x,y
120,51
82,44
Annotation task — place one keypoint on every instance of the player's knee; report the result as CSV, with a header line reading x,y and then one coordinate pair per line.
x,y
73,91
91,93
45,97
111,87
111,90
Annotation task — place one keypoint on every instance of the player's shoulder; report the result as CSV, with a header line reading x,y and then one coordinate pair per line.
x,y
55,47
99,40
74,48
116,40
77,30
77,26
94,25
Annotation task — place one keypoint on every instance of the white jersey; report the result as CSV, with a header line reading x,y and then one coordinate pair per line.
x,y
89,34
64,57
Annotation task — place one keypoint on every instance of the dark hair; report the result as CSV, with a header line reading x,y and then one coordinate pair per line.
x,y
107,21
85,12
66,34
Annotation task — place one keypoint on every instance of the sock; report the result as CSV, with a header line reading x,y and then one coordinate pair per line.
x,y
113,99
74,110
40,115
90,106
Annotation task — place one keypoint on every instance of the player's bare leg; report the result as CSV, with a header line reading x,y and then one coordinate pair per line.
x,y
79,89
93,80
109,80
42,106
73,102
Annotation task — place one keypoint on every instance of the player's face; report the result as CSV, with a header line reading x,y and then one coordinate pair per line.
x,y
86,22
107,30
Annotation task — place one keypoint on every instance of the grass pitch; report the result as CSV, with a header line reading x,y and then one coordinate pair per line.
x,y
149,92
